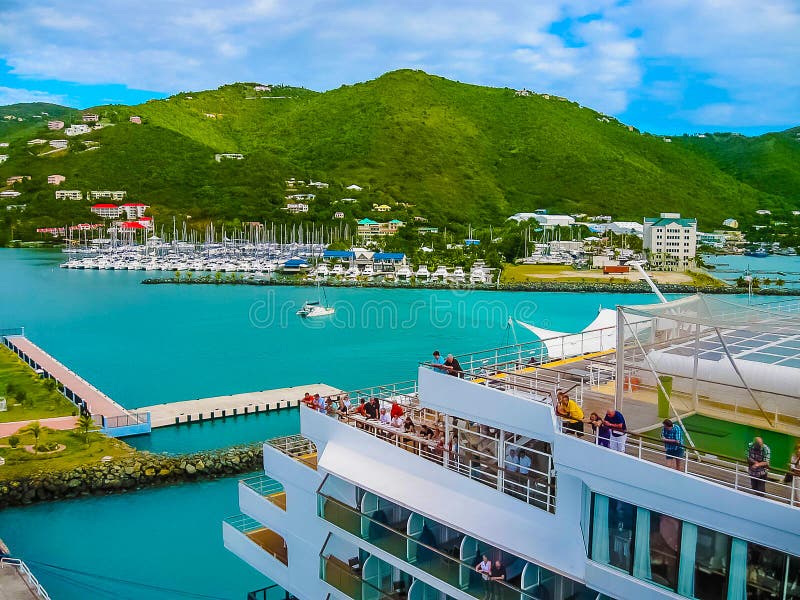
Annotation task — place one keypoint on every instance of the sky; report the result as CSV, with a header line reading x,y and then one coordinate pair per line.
x,y
664,66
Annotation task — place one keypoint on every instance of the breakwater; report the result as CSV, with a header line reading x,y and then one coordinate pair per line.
x,y
539,286
143,469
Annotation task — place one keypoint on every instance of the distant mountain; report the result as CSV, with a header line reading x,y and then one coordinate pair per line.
x,y
450,152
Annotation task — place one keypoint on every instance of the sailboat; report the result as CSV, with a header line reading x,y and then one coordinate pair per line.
x,y
316,308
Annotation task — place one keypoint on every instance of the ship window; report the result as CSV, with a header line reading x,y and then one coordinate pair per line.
x,y
658,542
793,579
712,557
613,523
765,572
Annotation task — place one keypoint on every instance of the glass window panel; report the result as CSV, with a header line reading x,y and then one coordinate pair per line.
x,y
793,579
621,521
712,559
766,569
665,543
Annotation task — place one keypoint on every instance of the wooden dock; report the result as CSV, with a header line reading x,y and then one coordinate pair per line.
x,y
218,407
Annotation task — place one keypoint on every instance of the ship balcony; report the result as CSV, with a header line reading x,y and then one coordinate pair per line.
x,y
296,447
264,499
266,487
260,547
292,460
444,553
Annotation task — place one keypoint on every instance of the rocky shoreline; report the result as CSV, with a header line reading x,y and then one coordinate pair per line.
x,y
539,286
141,470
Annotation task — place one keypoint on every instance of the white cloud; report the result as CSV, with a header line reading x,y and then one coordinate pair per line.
x,y
16,95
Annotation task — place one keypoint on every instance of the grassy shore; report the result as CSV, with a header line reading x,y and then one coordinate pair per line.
x,y
27,396
566,274
22,463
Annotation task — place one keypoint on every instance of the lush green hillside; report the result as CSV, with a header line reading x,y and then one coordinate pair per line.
x,y
451,152
34,117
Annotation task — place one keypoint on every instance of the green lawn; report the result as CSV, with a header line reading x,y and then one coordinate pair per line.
x,y
20,463
18,380
528,273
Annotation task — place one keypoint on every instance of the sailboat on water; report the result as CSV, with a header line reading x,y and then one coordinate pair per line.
x,y
316,308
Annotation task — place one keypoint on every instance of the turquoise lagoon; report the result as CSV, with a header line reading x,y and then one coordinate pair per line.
x,y
148,344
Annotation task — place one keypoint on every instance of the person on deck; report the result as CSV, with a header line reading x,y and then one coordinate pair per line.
x,y
438,362
619,430
398,422
484,568
498,575
602,434
372,409
342,411
408,426
361,409
571,414
672,436
396,411
385,418
453,366
758,455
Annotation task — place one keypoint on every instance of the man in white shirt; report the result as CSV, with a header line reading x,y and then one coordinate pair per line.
x,y
485,569
512,461
524,463
385,418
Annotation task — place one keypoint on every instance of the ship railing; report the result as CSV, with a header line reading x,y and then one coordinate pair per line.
x,y
25,572
710,466
271,592
12,331
535,353
474,460
298,447
249,526
404,393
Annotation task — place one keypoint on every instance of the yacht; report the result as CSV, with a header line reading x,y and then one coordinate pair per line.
x,y
337,270
422,273
368,271
458,274
352,273
403,273
316,308
440,273
350,508
477,275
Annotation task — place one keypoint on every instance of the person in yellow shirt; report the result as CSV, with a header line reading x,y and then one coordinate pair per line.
x,y
570,413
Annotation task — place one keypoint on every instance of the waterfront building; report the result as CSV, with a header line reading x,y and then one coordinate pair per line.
x,y
715,240
352,508
544,219
670,242
56,179
69,195
55,125
107,211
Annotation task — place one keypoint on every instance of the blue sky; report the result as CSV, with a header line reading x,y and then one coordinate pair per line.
x,y
665,66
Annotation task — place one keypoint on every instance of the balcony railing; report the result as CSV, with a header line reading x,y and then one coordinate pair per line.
x,y
298,447
348,581
271,542
271,592
478,460
696,462
267,487
436,561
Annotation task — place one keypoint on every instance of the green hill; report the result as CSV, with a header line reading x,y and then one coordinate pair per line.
x,y
450,152
20,120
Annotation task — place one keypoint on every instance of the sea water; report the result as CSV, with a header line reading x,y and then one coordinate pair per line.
x,y
146,344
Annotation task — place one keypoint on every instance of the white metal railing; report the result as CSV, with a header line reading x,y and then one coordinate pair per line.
x,y
298,447
698,463
263,485
25,572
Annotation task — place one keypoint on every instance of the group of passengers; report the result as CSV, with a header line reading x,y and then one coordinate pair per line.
x,y
491,574
449,365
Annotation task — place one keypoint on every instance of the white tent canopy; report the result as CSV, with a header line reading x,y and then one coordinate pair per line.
x,y
597,336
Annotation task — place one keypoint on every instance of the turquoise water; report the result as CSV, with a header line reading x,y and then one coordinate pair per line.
x,y
149,344
168,537
770,266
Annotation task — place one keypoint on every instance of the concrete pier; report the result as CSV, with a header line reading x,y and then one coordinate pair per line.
x,y
218,407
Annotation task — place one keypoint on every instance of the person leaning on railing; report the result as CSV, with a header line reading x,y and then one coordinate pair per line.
x,y
795,473
571,414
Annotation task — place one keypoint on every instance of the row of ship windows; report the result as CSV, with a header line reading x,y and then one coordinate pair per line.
x,y
688,559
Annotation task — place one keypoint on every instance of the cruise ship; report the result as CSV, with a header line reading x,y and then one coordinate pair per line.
x,y
357,509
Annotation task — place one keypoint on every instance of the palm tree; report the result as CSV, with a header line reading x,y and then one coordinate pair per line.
x,y
34,429
85,425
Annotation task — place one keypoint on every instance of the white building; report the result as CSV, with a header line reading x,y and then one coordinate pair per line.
x,y
320,185
69,195
622,228
55,125
56,179
9,194
108,194
37,142
296,207
670,241
543,219
3,158
228,156
354,188
4,144
91,118
338,215
78,129
107,211
715,240
732,223
59,144
763,211
301,197
134,210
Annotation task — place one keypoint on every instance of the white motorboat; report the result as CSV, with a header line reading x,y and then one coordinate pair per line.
x,y
368,271
404,273
316,308
338,270
422,272
458,274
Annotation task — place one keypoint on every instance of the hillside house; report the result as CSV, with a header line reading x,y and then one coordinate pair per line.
x,y
338,215
354,188
55,125
763,211
4,144
522,92
134,210
59,144
136,119
19,207
348,200
3,158
78,129
733,223
796,213
17,179
210,115
301,197
381,207
69,195
424,230
320,185
108,194
91,118
107,211
228,156
10,194
37,142
369,229
420,220
262,88
296,207
294,183
668,140
56,179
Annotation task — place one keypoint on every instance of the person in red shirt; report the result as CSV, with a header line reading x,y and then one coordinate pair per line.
x,y
361,409
397,410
